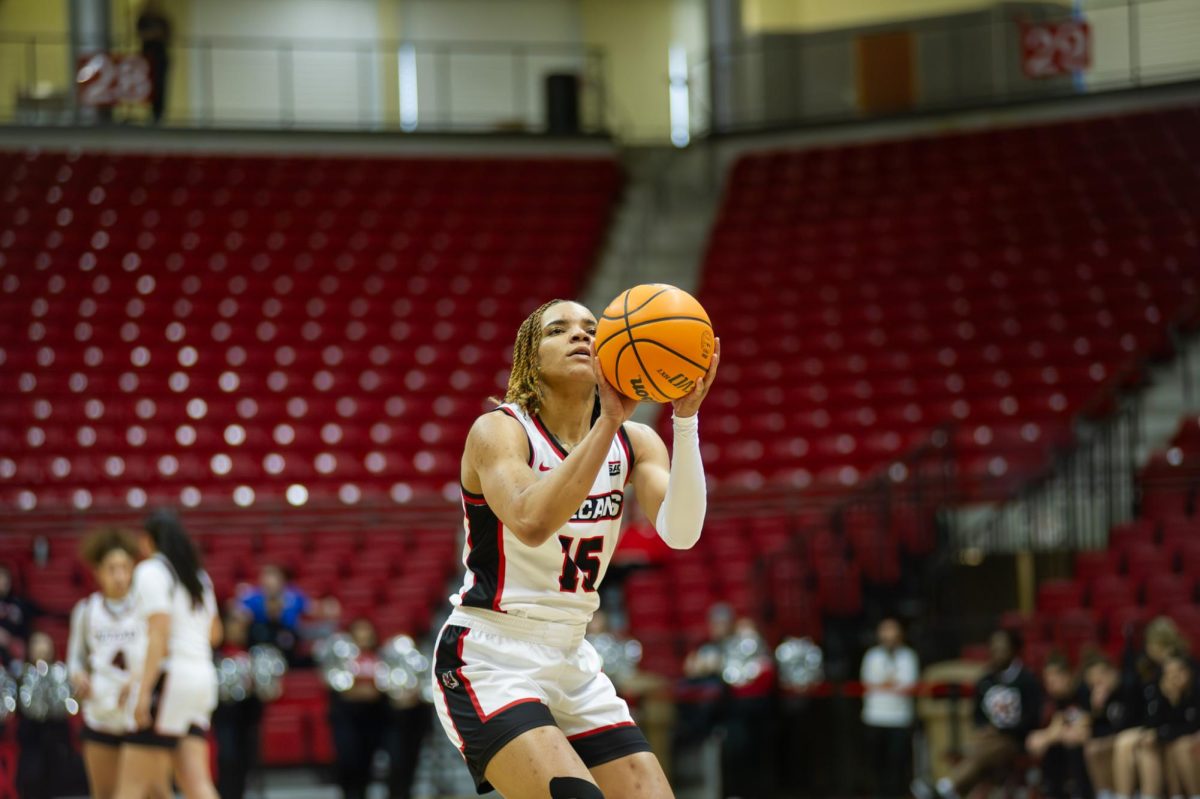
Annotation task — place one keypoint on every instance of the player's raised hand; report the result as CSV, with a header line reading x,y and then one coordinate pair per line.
x,y
613,404
689,403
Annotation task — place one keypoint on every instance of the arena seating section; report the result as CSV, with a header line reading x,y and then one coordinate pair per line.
x,y
179,328
1000,281
208,331
1151,567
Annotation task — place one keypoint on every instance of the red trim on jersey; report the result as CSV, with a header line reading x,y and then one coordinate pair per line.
x,y
483,717
473,499
598,730
626,445
499,567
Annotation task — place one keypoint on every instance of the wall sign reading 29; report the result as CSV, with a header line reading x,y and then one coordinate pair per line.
x,y
1050,49
103,79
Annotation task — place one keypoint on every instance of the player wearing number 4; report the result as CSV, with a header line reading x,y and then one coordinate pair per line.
x,y
517,688
104,652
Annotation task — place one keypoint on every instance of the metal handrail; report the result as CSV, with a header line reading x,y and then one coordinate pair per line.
x,y
763,106
370,61
1124,424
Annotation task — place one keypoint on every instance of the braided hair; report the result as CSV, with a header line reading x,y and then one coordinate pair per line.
x,y
524,383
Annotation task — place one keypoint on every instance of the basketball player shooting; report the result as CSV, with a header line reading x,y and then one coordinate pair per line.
x,y
517,688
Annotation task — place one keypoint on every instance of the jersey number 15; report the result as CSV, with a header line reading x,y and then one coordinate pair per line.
x,y
584,560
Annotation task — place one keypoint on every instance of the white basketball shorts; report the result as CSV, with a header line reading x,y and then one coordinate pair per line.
x,y
182,704
497,676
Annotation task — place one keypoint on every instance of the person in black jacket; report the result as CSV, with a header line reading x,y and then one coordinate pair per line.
x,y
1172,719
1112,706
1134,748
154,29
1008,702
16,618
1059,744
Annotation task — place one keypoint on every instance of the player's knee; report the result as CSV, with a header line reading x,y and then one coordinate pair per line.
x,y
573,788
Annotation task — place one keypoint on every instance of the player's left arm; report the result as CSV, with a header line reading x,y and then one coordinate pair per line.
x,y
672,490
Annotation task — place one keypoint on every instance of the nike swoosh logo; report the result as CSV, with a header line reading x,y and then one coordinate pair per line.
x,y
543,468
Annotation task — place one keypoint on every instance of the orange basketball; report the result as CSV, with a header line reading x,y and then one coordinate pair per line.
x,y
654,342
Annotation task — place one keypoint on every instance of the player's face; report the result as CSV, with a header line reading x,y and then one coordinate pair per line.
x,y
567,332
114,574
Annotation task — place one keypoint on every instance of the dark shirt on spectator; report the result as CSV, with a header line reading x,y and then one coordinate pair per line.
x,y
1172,721
16,622
1009,700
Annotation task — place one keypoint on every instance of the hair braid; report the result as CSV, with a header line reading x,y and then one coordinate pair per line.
x,y
524,383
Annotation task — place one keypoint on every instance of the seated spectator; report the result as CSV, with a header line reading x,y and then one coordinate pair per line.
x,y
889,672
16,618
1133,749
1059,744
1172,721
1007,703
1110,705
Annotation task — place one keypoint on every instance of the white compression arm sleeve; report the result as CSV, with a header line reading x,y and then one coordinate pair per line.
x,y
682,513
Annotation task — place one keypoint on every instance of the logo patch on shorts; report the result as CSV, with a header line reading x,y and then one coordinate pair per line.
x,y
449,680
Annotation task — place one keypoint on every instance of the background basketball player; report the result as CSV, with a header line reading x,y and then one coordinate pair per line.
x,y
106,645
177,692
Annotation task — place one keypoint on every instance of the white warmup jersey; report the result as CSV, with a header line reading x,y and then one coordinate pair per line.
x,y
558,580
108,643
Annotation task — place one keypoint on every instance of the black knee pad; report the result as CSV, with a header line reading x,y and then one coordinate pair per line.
x,y
573,788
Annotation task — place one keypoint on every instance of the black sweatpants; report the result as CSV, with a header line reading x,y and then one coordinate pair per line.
x,y
406,732
236,728
889,753
1064,773
358,729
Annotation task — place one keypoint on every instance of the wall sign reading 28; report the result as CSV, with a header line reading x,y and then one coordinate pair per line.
x,y
103,79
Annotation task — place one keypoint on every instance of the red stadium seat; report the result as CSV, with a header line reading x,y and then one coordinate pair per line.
x,y
1057,596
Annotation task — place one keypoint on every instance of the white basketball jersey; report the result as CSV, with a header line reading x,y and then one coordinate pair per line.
x,y
559,580
113,640
158,590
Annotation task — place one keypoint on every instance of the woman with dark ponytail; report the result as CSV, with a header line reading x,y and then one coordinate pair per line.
x,y
177,692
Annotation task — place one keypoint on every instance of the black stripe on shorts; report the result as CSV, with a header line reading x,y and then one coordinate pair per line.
x,y
609,743
100,737
151,736
483,735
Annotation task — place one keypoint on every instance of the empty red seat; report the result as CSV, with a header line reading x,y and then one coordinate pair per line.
x,y
1146,562
1056,596
1110,592
1168,591
1093,564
